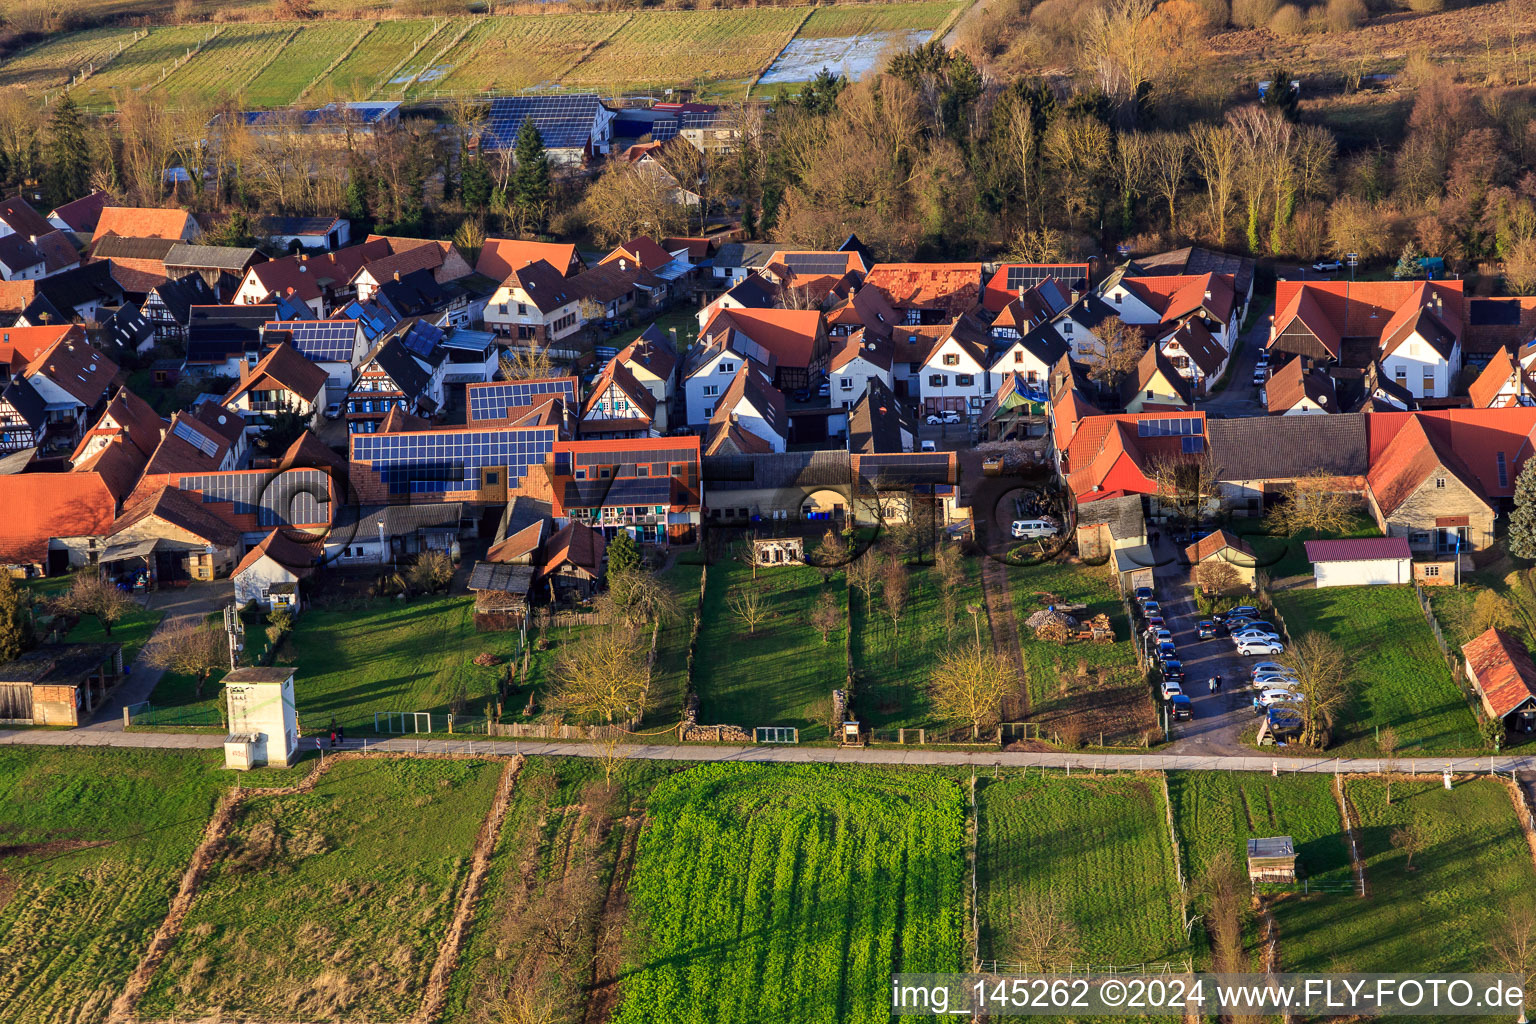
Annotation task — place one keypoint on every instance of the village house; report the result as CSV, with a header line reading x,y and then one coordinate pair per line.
x,y
571,564
145,222
54,522
221,267
407,256
736,261
1195,261
1297,390
1500,669
619,406
283,381
500,256
1195,353
796,338
711,368
535,302
373,535
394,376
1156,385
1419,488
173,537
613,288
652,361
80,216
954,373
335,346
319,282
1220,559
271,572
207,439
927,293
878,423
295,233
1504,382
1065,282
752,405
574,127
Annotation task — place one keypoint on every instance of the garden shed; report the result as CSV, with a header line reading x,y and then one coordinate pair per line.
x,y
1272,859
1360,561
501,594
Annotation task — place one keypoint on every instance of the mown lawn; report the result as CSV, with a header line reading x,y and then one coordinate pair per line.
x,y
309,53
542,921
792,893
1280,557
1098,846
1399,677
1218,812
1444,914
780,674
330,904
92,847
131,632
893,662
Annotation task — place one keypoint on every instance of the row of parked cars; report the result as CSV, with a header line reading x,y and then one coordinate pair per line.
x,y
1161,648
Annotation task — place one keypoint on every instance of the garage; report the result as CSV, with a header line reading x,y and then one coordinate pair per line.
x,y
1360,562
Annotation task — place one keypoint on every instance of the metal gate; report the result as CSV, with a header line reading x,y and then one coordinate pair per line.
x,y
403,721
776,734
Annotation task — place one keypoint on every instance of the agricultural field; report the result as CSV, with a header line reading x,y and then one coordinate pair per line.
x,y
861,19
502,55
385,48
1098,845
52,62
1095,686
238,55
1442,915
1218,812
1400,679
689,47
333,903
893,664
554,899
140,64
386,655
310,52
853,40
791,893
93,844
781,673
424,63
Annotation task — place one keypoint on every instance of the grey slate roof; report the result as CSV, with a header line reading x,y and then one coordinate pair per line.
x,y
753,255
220,257
1287,447
399,520
1122,515
509,579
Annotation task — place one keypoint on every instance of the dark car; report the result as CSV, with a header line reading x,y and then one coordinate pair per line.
x,y
1144,594
1205,629
1166,650
1180,708
1155,622
1173,668
1151,607
803,395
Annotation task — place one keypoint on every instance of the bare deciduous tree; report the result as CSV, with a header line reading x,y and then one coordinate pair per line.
x,y
1217,577
1224,894
1045,935
526,362
1216,157
826,616
1386,745
1514,948
1320,502
1411,839
604,675
864,574
431,572
195,649
749,605
1168,153
91,594
1124,346
1323,681
969,686
894,592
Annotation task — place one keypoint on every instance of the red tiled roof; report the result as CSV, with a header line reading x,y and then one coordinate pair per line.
x,y
861,345
576,544
298,557
1477,436
642,250
500,256
144,222
76,367
1502,669
31,342
1069,275
952,287
1363,309
18,215
698,248
119,464
733,439
306,276
1178,295
1358,549
40,506
789,334
401,262
286,367
1499,372
180,509
1293,382
83,214
1408,461
1212,543
641,400
129,415
765,398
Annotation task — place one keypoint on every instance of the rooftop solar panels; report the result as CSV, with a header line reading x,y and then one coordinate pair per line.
x,y
202,442
491,401
703,119
421,338
374,319
1494,312
655,490
1029,276
296,497
564,122
321,340
815,263
912,468
664,128
451,460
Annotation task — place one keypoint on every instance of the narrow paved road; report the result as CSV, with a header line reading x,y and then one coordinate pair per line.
x,y
1240,397
809,755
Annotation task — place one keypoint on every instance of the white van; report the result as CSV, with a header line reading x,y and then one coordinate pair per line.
x,y
1035,528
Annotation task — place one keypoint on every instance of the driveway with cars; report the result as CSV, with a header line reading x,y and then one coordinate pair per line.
x,y
1219,718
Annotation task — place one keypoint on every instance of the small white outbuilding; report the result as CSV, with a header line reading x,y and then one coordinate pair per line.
x,y
1361,561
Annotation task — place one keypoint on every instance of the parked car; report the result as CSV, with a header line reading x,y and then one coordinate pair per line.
x,y
1171,688
1248,628
1268,666
1269,698
825,390
1249,648
1035,528
1180,708
1245,610
1151,608
1162,634
1254,634
1205,629
333,411
1165,649
1271,679
1155,620
1143,595
929,446
1173,668
1327,266
803,395
947,416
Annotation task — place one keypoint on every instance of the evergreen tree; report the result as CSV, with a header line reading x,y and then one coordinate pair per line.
x,y
356,196
1409,265
623,555
1280,97
1522,521
15,619
530,180
475,185
234,230
69,157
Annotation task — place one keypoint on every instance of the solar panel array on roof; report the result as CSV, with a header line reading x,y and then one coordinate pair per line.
x,y
1494,312
816,263
321,340
620,457
654,490
664,128
564,122
915,468
296,497
445,460
1028,277
707,119
491,401
202,442
421,338
375,321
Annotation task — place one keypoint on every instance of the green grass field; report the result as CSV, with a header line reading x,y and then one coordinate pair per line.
x,y
506,54
426,58
782,675
671,47
894,665
52,62
1442,915
1280,557
791,893
140,64
841,20
93,844
1219,811
310,52
330,904
542,918
234,58
1400,679
382,49
1098,845
131,632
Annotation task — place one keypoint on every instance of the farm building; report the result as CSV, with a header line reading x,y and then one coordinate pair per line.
x,y
59,684
1227,551
1272,859
1360,562
501,594
573,127
1500,668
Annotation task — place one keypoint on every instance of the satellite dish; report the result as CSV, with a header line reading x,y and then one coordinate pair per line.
x,y
221,418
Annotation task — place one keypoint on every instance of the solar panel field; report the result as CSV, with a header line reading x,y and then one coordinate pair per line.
x,y
720,53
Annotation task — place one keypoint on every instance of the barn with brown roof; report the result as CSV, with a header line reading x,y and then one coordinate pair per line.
x,y
1500,668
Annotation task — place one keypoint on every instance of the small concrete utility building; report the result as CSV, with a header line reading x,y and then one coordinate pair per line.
x,y
1360,562
1272,859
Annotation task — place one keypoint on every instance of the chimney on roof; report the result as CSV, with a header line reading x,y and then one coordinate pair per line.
x,y
1207,295
397,275
303,257
1076,295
